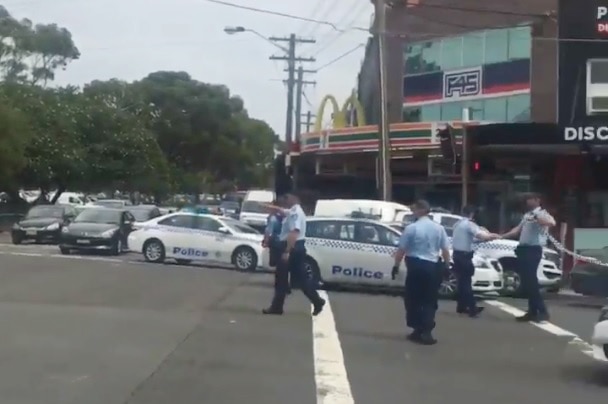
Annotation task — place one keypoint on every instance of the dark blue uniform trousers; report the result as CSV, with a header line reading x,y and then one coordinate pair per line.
x,y
421,294
294,267
528,258
464,271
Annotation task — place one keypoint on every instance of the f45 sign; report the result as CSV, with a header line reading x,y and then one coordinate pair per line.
x,y
462,83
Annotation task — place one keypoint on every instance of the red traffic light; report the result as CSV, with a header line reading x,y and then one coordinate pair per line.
x,y
476,166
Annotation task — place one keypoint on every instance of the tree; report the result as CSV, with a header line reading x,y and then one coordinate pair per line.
x,y
31,52
14,136
204,131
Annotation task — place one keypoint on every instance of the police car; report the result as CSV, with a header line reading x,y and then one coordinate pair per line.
x,y
599,338
188,236
360,252
549,271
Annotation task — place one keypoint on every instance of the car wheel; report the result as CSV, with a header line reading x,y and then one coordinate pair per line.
x,y
16,240
511,279
154,251
245,259
183,262
448,286
64,251
311,269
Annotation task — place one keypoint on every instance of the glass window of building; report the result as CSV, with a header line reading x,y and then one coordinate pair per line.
x,y
476,109
431,56
413,59
431,113
472,49
518,108
495,109
520,42
496,48
451,111
411,114
451,53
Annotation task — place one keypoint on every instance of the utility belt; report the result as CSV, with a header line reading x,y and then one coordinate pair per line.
x,y
299,246
463,254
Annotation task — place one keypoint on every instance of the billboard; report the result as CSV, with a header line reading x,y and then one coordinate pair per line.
x,y
583,35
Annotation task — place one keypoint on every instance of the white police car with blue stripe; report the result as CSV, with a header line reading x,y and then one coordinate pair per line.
x,y
360,251
599,338
187,237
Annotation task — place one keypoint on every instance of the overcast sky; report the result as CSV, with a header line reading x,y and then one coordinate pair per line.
x,y
127,39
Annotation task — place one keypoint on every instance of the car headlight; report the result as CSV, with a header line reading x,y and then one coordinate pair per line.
x,y
65,230
53,226
108,233
480,262
603,314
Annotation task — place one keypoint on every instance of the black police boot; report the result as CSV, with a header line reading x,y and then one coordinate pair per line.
x,y
525,318
272,310
475,311
318,307
414,336
426,339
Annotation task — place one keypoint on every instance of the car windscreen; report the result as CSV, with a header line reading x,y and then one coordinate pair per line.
x,y
239,227
229,205
106,216
254,207
141,215
111,204
39,212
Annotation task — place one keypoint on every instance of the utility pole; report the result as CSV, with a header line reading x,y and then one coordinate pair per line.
x,y
384,142
308,122
300,83
291,60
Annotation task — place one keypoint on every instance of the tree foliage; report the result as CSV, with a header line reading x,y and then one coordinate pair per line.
x,y
166,132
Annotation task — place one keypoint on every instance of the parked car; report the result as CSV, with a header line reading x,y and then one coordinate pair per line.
x,y
589,279
98,229
143,213
599,338
43,223
186,237
112,203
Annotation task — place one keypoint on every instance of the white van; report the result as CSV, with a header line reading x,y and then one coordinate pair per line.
x,y
387,212
253,211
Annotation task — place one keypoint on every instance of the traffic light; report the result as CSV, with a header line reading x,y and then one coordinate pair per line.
x,y
476,166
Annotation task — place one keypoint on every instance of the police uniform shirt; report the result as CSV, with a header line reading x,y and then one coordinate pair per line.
x,y
464,235
424,239
295,220
532,233
271,222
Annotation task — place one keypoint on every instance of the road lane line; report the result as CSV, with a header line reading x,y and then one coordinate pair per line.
x,y
551,328
331,378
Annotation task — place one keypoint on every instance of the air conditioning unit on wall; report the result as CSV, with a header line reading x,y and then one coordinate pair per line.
x,y
597,86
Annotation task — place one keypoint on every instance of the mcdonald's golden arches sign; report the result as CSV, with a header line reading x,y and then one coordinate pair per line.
x,y
339,115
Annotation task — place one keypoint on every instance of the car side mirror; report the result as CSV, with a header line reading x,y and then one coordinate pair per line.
x,y
223,230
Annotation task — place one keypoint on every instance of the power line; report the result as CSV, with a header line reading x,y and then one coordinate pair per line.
x,y
326,44
277,13
342,56
315,10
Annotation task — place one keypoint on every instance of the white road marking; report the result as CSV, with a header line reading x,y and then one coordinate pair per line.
x,y
72,257
331,378
551,328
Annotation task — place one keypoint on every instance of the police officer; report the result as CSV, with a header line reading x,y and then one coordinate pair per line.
x,y
532,231
421,243
273,230
465,232
293,255
271,241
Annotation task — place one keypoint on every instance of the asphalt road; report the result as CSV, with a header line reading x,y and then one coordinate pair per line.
x,y
114,330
